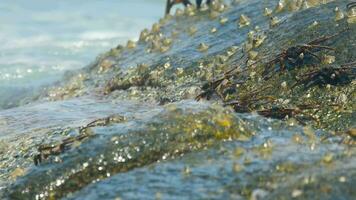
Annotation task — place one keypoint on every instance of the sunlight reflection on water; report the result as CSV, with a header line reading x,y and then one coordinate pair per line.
x,y
42,39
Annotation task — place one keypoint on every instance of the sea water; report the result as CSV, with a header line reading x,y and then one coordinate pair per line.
x,y
42,39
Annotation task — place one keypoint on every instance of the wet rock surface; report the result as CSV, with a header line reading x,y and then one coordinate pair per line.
x,y
244,101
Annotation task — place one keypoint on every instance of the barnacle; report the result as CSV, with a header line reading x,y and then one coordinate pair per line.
x,y
252,55
203,47
213,30
213,15
144,35
267,12
293,5
179,12
274,21
339,15
305,5
131,44
192,30
156,28
224,20
244,21
190,10
280,6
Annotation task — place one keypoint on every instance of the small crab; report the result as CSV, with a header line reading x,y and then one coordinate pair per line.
x,y
342,75
296,54
213,86
56,149
103,122
285,113
247,102
170,4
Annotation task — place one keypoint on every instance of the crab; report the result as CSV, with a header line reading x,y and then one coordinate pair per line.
x,y
186,3
285,113
213,86
247,102
48,150
342,75
300,112
56,149
296,54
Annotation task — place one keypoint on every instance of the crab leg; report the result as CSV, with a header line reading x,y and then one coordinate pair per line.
x,y
283,66
313,54
320,46
325,38
351,64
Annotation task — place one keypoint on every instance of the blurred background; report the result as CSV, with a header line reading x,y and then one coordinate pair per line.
x,y
41,39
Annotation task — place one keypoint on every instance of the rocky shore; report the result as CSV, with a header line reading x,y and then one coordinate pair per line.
x,y
253,100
